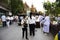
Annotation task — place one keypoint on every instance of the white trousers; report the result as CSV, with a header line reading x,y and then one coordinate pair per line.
x,y
8,23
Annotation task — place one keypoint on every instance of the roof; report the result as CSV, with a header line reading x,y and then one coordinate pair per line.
x,y
25,5
4,7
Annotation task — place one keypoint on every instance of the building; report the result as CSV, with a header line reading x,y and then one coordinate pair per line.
x,y
4,9
26,8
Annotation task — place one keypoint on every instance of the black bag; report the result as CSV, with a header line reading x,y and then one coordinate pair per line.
x,y
24,29
7,20
25,25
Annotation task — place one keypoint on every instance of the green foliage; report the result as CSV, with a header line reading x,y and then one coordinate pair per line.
x,y
14,5
52,8
57,10
47,5
58,1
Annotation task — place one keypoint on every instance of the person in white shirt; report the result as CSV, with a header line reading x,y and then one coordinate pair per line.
x,y
37,21
46,24
40,19
8,21
32,23
20,19
11,20
3,20
16,18
24,29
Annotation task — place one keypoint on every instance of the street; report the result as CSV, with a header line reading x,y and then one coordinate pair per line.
x,y
14,32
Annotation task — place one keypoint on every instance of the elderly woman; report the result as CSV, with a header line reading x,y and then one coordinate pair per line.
x,y
46,24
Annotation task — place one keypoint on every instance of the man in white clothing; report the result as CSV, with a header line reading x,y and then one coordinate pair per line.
x,y
3,20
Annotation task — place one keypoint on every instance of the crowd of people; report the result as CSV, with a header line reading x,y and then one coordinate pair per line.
x,y
33,21
7,20
36,21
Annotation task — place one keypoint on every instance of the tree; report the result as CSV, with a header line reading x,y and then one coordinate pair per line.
x,y
52,8
47,7
16,6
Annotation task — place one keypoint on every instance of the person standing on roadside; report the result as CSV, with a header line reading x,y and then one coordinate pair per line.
x,y
32,23
7,21
24,29
46,24
3,20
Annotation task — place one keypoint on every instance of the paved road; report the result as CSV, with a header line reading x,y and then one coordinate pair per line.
x,y
14,32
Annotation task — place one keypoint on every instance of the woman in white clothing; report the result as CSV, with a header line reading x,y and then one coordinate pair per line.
x,y
32,23
8,20
24,29
46,24
37,21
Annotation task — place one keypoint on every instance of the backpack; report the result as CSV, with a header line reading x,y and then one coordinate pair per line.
x,y
25,24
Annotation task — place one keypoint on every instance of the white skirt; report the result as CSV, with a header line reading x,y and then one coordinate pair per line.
x,y
8,23
46,28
